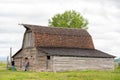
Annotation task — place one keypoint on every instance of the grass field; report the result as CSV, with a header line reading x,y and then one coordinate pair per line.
x,y
72,75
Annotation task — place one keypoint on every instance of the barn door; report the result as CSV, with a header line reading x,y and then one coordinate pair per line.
x,y
48,63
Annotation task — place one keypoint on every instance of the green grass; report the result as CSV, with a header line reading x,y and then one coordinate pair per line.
x,y
72,75
2,64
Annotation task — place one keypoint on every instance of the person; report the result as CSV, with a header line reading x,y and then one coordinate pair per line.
x,y
13,65
26,64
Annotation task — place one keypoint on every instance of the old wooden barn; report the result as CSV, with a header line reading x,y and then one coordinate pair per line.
x,y
60,49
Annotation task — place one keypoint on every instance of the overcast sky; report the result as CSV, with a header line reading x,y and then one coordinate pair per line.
x,y
103,17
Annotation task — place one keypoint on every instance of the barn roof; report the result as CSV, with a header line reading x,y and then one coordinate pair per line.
x,y
60,37
76,52
54,30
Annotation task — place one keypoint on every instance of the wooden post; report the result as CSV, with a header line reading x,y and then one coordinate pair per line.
x,y
7,62
10,55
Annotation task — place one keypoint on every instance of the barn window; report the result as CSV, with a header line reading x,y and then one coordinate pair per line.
x,y
48,57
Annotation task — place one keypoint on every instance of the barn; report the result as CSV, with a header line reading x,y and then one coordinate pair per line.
x,y
60,49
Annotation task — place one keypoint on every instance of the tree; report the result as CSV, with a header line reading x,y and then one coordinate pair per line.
x,y
68,19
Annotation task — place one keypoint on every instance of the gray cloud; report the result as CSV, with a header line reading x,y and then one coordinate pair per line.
x,y
117,2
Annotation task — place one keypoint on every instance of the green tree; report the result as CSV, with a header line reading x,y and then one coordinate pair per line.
x,y
69,19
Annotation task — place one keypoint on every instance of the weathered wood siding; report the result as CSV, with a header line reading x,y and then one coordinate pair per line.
x,y
18,61
30,53
79,63
28,40
43,63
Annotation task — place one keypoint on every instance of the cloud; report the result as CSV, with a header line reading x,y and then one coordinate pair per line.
x,y
11,28
103,17
6,51
8,40
20,1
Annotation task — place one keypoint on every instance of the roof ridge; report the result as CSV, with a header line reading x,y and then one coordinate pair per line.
x,y
30,25
56,31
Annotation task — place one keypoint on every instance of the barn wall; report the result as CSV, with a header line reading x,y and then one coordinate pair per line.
x,y
80,63
18,60
28,40
30,53
47,40
42,62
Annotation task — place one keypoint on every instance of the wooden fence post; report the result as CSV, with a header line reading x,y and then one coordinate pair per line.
x,y
10,55
7,65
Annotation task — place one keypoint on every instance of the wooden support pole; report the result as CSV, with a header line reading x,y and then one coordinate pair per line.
x,y
10,55
7,66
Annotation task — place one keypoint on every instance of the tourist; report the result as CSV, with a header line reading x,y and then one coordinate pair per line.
x,y
26,64
13,65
